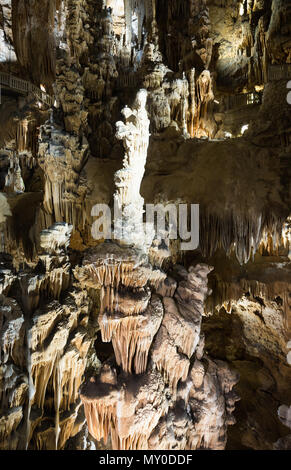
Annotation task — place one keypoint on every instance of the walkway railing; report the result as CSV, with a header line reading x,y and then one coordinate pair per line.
x,y
242,99
127,80
23,86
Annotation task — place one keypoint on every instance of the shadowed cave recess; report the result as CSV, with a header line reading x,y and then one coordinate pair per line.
x,y
130,342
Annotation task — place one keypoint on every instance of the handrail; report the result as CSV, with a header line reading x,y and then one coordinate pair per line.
x,y
26,87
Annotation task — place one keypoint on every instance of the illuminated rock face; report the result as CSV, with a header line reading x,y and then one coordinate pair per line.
x,y
153,337
4,208
130,314
44,349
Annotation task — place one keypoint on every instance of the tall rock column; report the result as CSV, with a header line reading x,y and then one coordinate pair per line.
x,y
134,133
129,314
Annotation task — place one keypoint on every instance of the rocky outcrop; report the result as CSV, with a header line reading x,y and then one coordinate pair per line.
x,y
42,341
152,338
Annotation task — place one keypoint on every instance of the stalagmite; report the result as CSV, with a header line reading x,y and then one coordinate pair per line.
x,y
128,9
4,208
192,92
128,317
128,415
130,341
13,181
205,96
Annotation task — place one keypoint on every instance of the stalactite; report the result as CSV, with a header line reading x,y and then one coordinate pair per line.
x,y
56,343
61,154
245,234
13,382
192,92
132,335
128,316
27,136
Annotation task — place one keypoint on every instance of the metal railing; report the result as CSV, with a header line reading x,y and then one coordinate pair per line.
x,y
23,86
279,72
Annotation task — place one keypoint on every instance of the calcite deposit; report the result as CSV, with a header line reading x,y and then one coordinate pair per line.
x,y
112,335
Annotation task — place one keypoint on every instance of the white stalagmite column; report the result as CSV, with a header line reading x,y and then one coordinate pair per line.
x,y
129,227
13,181
128,7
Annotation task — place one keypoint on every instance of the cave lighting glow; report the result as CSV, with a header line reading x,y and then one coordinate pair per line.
x,y
244,129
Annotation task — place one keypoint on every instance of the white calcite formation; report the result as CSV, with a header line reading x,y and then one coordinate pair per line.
x,y
56,239
154,336
160,407
134,133
106,341
13,181
130,315
284,414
